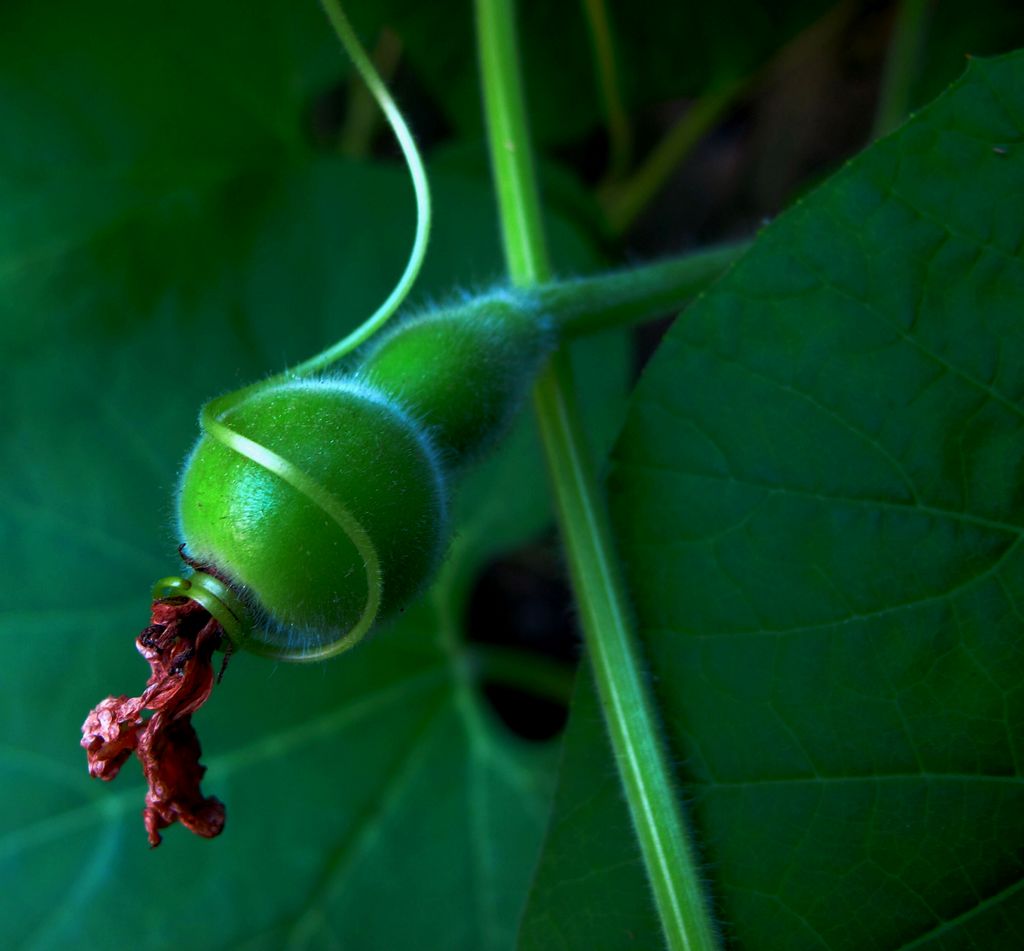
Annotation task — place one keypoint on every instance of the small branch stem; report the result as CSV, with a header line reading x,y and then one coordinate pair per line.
x,y
612,645
624,202
587,305
527,671
620,135
900,66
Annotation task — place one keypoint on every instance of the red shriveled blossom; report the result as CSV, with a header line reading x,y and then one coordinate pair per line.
x,y
179,645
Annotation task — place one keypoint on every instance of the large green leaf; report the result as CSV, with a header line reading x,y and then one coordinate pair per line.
x,y
818,495
165,234
954,31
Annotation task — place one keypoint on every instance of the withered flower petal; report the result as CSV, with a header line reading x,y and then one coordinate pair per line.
x,y
179,645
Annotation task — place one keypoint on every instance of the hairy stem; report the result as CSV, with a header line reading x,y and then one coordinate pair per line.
x,y
586,305
612,645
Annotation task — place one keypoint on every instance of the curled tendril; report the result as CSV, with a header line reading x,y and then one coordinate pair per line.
x,y
211,417
328,503
191,617
213,594
421,188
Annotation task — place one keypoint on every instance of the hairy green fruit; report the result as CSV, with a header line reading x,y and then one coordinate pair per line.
x,y
463,371
367,475
323,501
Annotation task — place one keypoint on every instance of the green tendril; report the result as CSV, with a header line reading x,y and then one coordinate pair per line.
x,y
418,175
218,599
213,412
308,487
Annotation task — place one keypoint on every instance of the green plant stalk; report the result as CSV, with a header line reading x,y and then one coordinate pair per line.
x,y
522,229
624,201
518,668
614,650
587,305
620,135
900,66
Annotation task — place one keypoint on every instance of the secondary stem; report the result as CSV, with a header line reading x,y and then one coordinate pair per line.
x,y
619,298
900,66
624,201
620,136
612,646
526,670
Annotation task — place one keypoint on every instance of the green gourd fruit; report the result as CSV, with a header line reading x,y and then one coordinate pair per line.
x,y
315,505
323,502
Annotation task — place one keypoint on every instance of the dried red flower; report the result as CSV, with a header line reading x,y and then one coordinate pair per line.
x,y
179,645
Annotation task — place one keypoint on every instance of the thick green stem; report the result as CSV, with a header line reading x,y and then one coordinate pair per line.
x,y
522,230
620,298
900,66
613,648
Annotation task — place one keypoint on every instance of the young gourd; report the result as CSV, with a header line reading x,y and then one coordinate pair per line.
x,y
332,514
315,505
